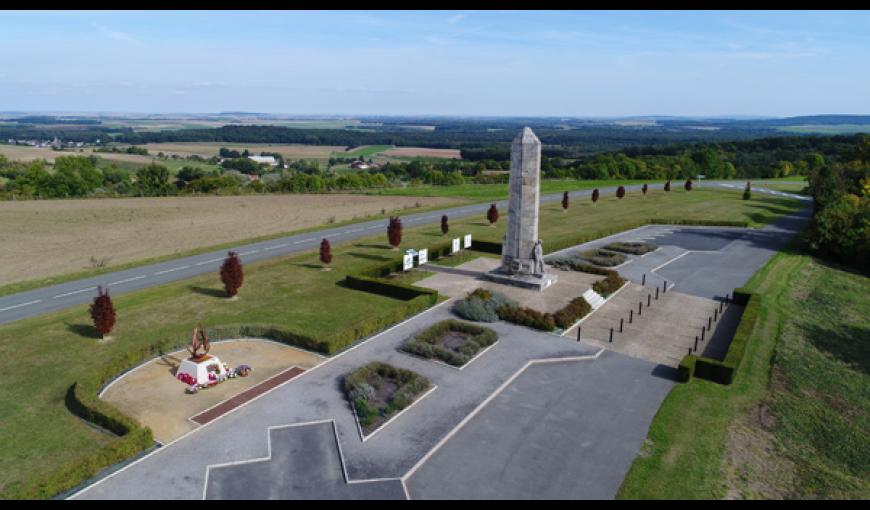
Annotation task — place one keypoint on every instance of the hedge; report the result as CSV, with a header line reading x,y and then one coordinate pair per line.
x,y
722,372
706,223
572,312
486,246
395,290
635,248
83,401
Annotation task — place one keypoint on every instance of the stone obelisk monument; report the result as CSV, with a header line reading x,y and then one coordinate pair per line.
x,y
522,251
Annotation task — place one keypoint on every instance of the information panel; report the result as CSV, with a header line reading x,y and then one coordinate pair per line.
x,y
422,256
407,262
455,245
467,241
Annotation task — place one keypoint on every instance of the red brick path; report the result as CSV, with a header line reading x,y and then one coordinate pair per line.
x,y
245,396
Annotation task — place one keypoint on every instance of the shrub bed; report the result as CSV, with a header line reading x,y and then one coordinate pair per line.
x,y
576,263
573,312
527,317
603,257
632,248
610,284
429,342
378,391
482,305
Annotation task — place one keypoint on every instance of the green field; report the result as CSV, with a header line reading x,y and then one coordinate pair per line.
x,y
365,152
48,354
796,422
500,191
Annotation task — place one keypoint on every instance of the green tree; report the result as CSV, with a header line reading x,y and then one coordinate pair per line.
x,y
153,180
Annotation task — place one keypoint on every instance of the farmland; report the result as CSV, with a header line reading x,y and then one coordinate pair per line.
x,y
67,233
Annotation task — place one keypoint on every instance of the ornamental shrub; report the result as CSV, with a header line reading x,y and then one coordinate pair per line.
x,y
492,214
620,192
231,274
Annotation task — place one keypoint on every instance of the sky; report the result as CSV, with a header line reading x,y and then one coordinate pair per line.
x,y
469,63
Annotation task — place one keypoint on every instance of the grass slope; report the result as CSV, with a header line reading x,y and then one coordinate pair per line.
x,y
45,355
795,422
500,191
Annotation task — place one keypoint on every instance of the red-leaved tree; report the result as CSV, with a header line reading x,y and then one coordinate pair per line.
x,y
492,214
644,189
103,312
565,201
620,192
394,231
444,226
231,273
595,196
325,252
668,185
688,184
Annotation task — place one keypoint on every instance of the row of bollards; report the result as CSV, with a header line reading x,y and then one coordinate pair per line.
x,y
717,312
649,298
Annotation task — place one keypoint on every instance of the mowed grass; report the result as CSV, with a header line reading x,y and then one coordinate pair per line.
x,y
500,191
45,355
795,422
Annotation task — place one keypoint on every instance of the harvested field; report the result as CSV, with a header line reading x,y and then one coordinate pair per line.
x,y
26,153
410,152
66,234
207,150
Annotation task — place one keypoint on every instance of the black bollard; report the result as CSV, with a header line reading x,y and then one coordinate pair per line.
x,y
611,335
690,350
702,333
721,304
715,315
643,280
620,324
696,343
657,292
578,333
648,299
640,308
710,323
630,316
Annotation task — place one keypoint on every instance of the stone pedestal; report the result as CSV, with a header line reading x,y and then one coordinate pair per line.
x,y
526,281
199,368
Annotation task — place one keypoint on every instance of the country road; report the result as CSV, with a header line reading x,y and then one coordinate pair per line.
x,y
56,297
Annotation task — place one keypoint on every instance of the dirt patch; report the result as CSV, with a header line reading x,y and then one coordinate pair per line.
x,y
410,152
152,395
73,235
453,340
753,468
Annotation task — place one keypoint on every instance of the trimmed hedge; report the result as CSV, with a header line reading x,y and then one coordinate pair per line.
x,y
706,223
722,372
527,317
486,246
83,401
572,312
578,264
427,342
395,290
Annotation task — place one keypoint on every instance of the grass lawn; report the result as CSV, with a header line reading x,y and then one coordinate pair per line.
x,y
500,191
45,355
795,422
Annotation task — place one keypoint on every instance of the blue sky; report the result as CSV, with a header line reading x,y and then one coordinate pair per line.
x,y
443,63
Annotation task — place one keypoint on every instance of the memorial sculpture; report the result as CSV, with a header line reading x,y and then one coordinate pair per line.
x,y
522,250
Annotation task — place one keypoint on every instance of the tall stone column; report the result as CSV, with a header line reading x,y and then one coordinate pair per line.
x,y
523,205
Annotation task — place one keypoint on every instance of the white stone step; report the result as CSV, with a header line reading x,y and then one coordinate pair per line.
x,y
593,298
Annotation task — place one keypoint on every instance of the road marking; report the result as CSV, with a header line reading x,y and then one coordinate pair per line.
x,y
128,280
276,246
201,263
171,270
668,262
373,226
248,252
74,292
304,241
19,305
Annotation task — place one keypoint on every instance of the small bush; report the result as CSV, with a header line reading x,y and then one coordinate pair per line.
x,y
575,263
361,387
481,305
610,284
527,317
573,312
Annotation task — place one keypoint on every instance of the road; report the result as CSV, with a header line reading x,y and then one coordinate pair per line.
x,y
57,297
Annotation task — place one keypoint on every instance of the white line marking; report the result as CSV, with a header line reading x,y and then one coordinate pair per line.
x,y
305,240
275,247
668,262
204,262
19,305
171,270
248,252
128,280
74,292
373,226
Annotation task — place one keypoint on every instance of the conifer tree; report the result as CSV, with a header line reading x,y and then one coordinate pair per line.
x,y
103,312
565,201
325,252
231,274
595,196
444,226
620,192
394,231
492,214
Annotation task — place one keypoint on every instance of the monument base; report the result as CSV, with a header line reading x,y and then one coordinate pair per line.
x,y
200,368
526,281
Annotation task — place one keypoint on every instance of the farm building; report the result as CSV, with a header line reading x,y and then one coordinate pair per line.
x,y
264,159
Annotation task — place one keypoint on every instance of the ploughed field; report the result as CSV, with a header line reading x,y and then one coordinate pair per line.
x,y
52,237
